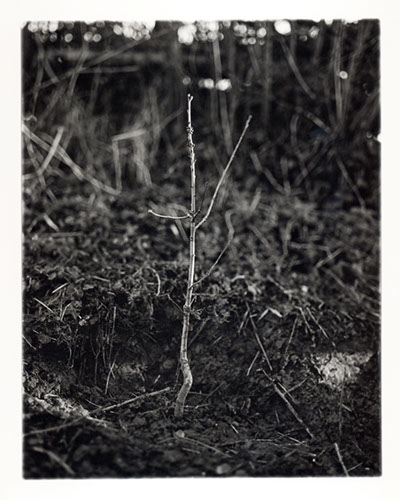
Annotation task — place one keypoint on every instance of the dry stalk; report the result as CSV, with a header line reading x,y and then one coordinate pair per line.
x,y
194,226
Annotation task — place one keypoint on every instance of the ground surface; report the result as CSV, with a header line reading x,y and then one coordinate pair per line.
x,y
284,345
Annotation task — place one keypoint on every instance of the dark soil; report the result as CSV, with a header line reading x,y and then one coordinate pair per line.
x,y
104,284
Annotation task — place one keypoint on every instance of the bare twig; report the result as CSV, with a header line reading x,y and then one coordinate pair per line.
x,y
328,258
288,404
43,304
258,339
285,355
173,217
158,281
221,179
339,455
98,410
204,445
320,327
252,363
110,372
273,382
207,274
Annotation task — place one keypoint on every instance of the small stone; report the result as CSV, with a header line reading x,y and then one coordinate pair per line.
x,y
223,469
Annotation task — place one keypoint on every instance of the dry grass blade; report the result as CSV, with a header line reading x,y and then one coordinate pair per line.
x,y
296,71
63,156
52,151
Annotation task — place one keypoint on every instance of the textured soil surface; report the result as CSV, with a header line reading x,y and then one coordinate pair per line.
x,y
284,345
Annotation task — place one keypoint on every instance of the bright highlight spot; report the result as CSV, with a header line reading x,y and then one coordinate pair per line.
x,y
314,31
186,33
224,84
261,32
283,27
206,83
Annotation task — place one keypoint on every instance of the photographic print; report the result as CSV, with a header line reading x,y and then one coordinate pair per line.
x,y
201,248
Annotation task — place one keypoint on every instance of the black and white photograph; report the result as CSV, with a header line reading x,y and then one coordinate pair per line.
x,y
201,248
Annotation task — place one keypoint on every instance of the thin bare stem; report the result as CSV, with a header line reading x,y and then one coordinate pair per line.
x,y
260,344
288,404
339,455
173,217
207,274
184,362
223,175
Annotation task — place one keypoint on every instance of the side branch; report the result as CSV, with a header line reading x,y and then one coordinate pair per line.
x,y
231,234
223,175
209,272
173,217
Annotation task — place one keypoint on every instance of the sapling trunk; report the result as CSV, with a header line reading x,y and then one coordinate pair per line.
x,y
184,361
194,226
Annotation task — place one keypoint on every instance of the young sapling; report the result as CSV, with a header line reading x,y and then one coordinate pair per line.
x,y
192,216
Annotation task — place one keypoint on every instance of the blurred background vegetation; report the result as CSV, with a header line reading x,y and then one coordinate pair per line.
x,y
107,100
